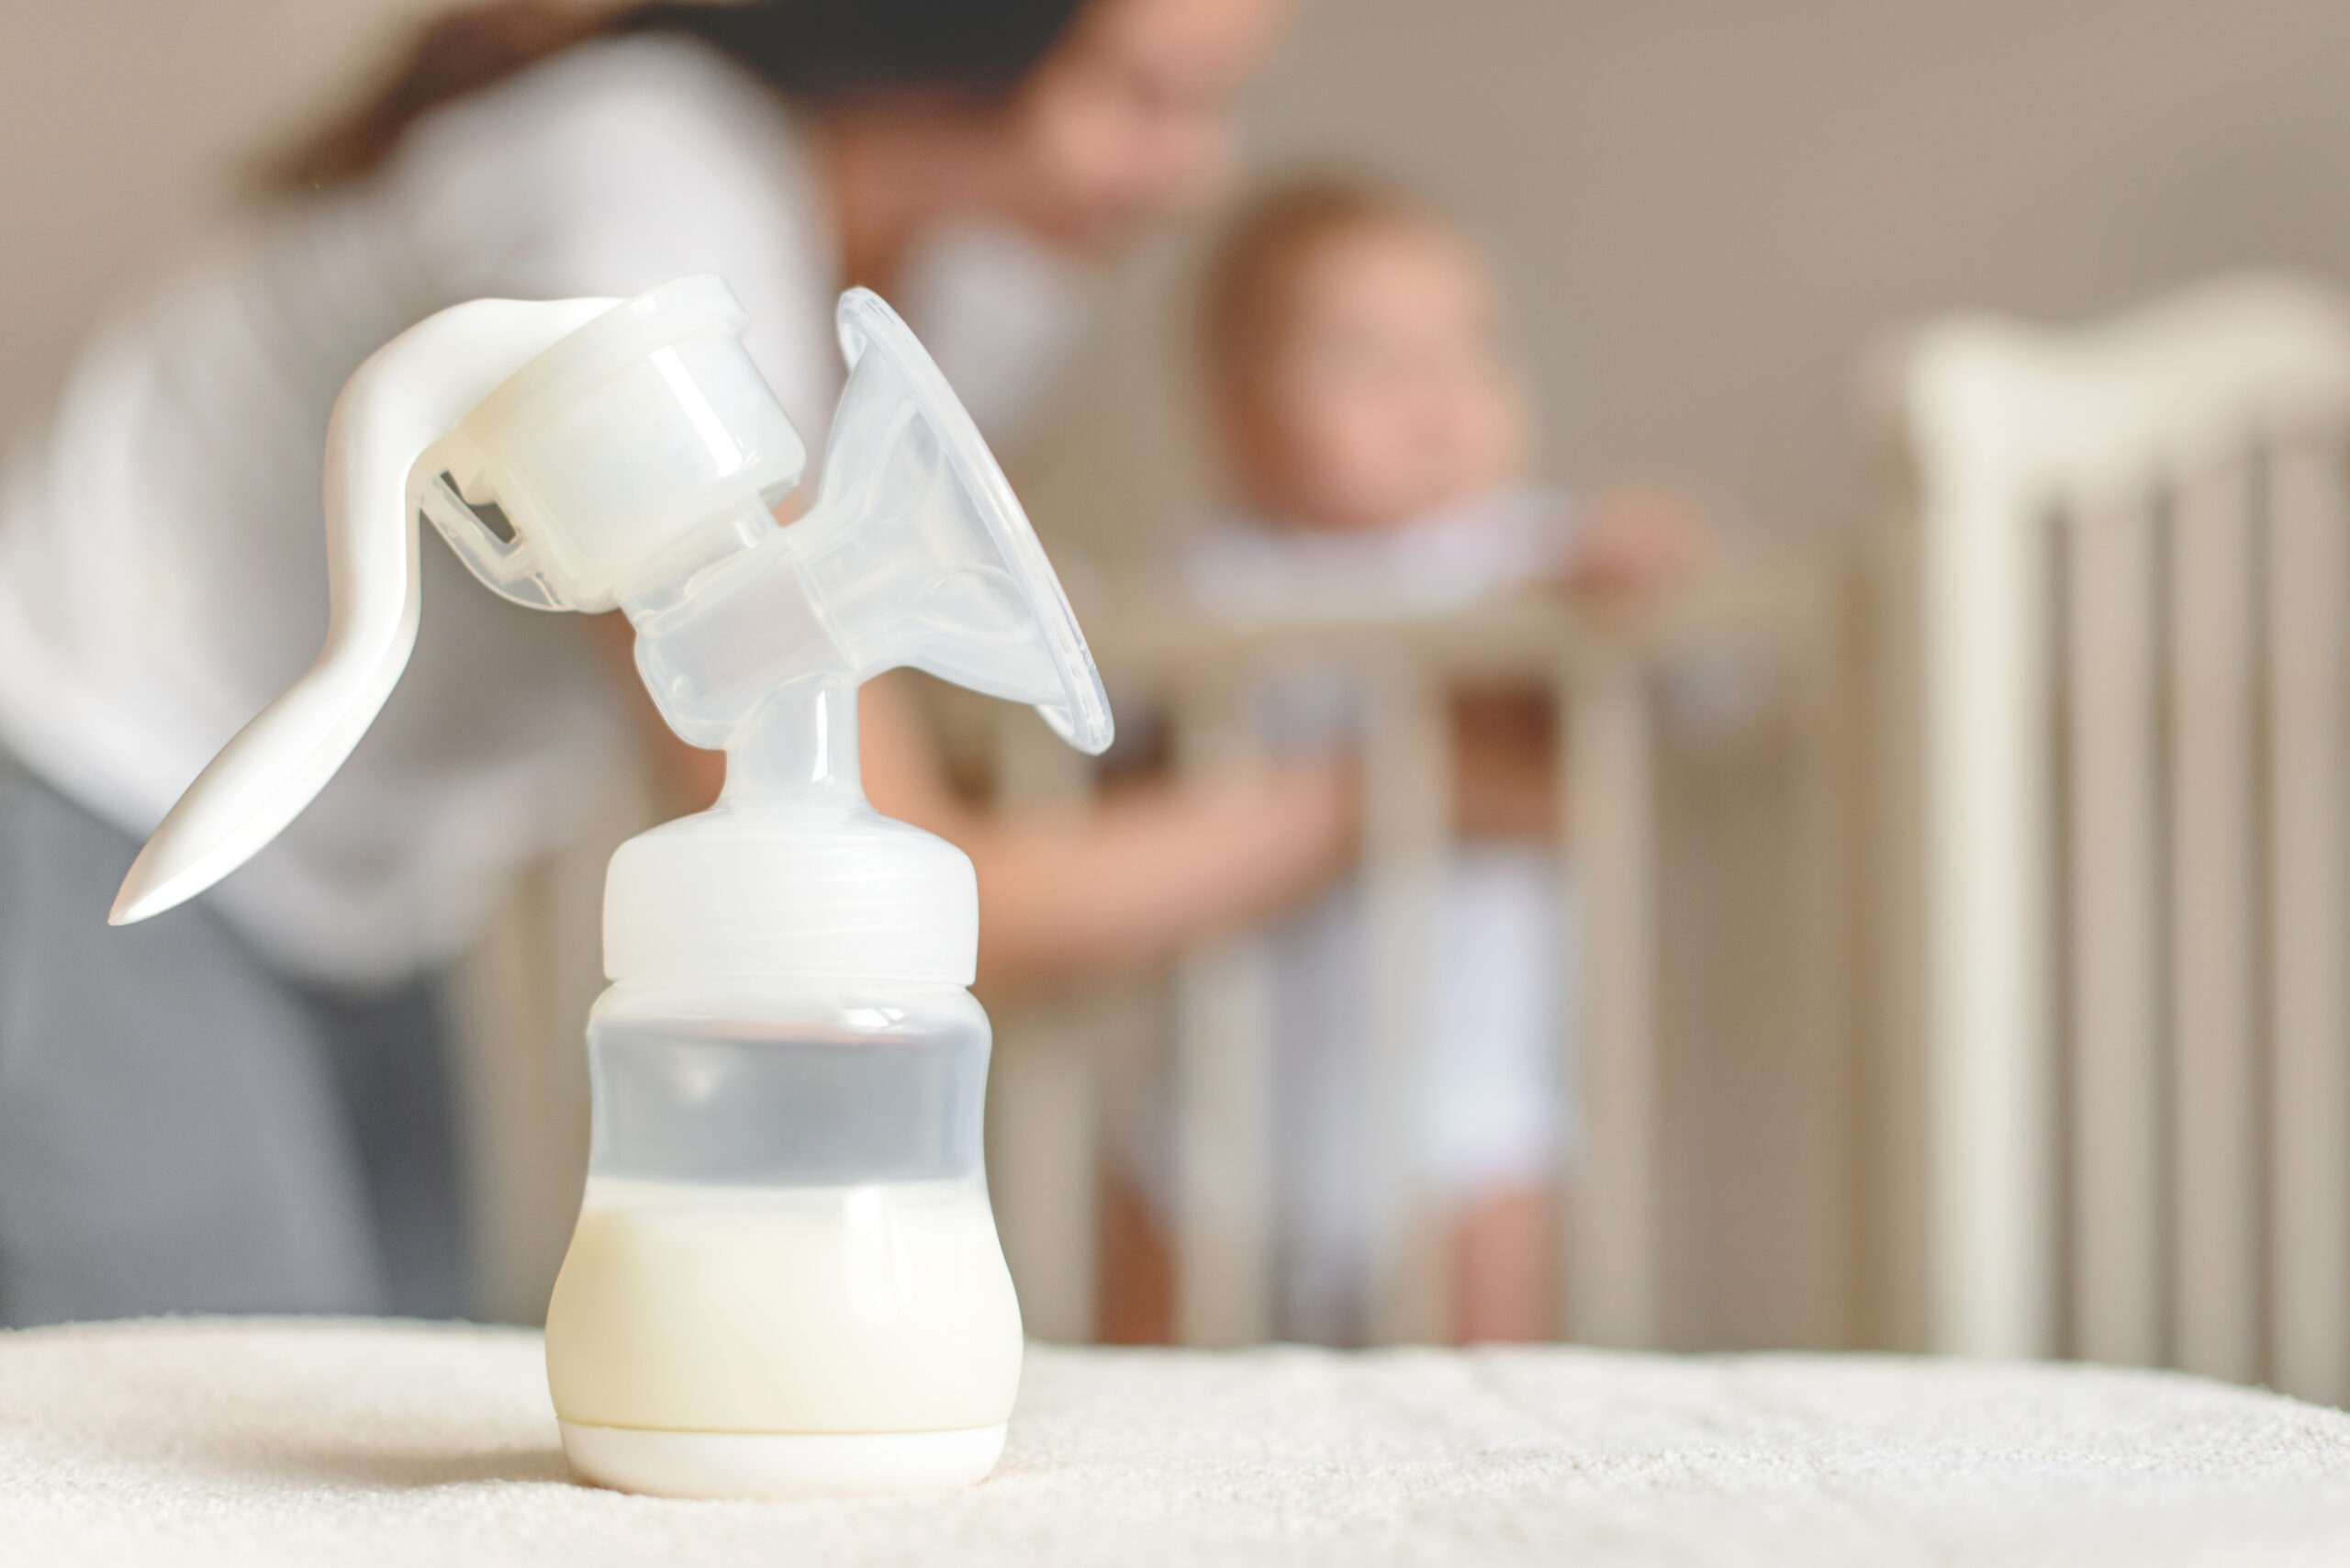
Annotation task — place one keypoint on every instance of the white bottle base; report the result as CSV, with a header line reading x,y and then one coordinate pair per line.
x,y
779,1464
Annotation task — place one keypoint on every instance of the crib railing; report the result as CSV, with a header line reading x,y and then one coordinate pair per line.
x,y
1602,674
2132,574
1649,1258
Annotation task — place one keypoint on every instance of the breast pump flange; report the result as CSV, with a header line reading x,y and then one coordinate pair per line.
x,y
786,1277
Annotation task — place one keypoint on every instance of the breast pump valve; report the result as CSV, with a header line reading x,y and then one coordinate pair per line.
x,y
786,1276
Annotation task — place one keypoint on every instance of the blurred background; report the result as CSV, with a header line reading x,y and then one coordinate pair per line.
x,y
1723,232
1702,214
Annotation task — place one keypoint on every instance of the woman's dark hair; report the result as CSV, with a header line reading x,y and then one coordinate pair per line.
x,y
817,51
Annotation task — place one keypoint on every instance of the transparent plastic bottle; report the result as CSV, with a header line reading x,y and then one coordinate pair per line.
x,y
786,1275
786,1227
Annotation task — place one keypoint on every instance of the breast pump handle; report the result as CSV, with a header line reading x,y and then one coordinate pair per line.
x,y
407,396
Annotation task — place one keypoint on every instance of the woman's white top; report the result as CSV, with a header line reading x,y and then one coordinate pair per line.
x,y
162,554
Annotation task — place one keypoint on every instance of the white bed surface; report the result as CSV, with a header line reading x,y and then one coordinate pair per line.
x,y
356,1442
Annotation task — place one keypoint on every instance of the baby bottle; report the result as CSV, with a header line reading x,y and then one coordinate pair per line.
x,y
785,1276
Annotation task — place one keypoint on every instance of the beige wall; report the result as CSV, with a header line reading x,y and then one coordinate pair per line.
x,y
1705,206
129,123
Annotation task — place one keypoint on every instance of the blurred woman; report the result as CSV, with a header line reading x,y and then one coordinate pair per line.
x,y
241,1106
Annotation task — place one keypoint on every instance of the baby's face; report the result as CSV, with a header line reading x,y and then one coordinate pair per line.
x,y
1389,395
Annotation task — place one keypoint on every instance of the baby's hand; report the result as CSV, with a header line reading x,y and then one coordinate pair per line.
x,y
1636,539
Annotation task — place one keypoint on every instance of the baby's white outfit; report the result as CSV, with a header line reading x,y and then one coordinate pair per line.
x,y
1501,985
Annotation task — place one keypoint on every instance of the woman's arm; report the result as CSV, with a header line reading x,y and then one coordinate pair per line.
x,y
1126,881
1068,893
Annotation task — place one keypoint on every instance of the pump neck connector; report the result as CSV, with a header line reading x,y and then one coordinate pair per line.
x,y
798,750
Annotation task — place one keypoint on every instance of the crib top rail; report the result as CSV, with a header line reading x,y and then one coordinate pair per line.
x,y
1141,636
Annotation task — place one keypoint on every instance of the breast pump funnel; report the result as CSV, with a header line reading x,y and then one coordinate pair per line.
x,y
915,553
918,552
786,1276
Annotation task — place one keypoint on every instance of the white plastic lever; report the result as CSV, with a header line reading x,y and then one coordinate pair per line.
x,y
405,398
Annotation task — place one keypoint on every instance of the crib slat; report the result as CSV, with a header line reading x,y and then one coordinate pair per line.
x,y
2113,840
1613,1256
2309,564
1407,821
1987,1059
1043,1103
1223,1087
2214,931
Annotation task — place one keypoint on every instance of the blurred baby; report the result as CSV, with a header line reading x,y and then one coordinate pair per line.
x,y
1377,442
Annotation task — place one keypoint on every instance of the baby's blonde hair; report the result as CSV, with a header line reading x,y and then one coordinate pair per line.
x,y
1245,296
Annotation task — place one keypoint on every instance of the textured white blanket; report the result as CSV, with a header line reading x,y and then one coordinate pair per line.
x,y
256,1444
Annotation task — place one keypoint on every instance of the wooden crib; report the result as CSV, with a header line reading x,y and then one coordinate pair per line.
x,y
2115,752
1604,678
1712,1202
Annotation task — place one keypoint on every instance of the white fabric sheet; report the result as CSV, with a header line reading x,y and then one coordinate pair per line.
x,y
359,1443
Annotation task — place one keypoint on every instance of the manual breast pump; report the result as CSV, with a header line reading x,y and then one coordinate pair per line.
x,y
786,1276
